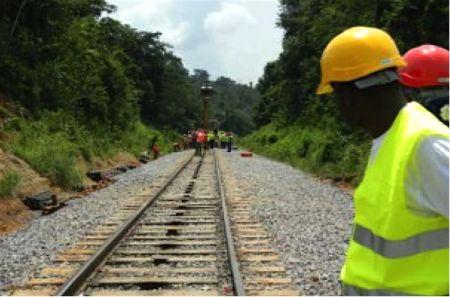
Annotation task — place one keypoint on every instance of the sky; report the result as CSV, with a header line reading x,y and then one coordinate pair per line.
x,y
232,38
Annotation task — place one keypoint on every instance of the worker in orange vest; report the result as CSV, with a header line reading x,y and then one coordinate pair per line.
x,y
201,140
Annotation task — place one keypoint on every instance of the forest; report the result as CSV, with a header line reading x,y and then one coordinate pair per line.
x,y
77,86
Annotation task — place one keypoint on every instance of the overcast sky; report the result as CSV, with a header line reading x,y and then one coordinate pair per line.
x,y
233,38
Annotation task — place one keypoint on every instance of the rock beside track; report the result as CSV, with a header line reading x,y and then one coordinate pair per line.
x,y
25,252
310,220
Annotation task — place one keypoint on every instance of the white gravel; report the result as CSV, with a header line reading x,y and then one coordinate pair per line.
x,y
310,220
25,252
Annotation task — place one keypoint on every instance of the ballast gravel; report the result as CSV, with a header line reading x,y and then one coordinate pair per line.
x,y
309,219
25,252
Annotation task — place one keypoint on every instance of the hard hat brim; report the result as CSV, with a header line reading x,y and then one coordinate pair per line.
x,y
378,78
324,88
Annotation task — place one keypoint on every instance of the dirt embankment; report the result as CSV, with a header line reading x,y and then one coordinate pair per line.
x,y
13,213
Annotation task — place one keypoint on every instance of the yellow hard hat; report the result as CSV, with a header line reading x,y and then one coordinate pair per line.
x,y
355,53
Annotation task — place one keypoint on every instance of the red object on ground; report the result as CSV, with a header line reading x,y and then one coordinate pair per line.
x,y
427,66
246,154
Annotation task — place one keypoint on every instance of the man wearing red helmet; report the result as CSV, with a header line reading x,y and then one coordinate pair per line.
x,y
425,78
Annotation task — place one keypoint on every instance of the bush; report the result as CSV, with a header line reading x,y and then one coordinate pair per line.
x,y
263,139
53,144
9,183
53,155
324,151
272,139
304,145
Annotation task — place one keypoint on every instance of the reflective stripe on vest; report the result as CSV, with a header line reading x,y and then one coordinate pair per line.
x,y
350,290
428,241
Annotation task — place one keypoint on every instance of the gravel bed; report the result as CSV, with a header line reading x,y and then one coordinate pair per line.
x,y
310,219
25,252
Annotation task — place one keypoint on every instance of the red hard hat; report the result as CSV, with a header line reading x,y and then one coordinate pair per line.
x,y
427,66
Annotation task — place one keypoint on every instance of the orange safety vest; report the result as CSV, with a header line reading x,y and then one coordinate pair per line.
x,y
201,137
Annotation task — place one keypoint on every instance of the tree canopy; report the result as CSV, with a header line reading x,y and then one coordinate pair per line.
x,y
61,54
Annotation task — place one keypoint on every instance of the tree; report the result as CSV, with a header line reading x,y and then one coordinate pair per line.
x,y
63,56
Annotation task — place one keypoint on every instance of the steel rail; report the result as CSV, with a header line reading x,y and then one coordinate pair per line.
x,y
197,169
78,280
238,284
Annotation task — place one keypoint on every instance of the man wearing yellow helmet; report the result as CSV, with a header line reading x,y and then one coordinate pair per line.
x,y
399,244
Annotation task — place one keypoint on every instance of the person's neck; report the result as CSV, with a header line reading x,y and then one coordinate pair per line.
x,y
383,121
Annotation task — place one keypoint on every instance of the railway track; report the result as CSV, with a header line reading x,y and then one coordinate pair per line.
x,y
191,235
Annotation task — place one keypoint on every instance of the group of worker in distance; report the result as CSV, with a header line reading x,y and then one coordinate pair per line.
x,y
400,239
201,141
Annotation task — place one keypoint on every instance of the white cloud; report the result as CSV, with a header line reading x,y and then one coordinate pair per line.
x,y
176,35
228,19
233,38
153,15
243,37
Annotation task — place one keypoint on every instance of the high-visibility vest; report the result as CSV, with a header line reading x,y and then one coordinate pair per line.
x,y
222,137
210,136
393,250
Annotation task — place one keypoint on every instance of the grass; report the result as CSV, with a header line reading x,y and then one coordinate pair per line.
x,y
9,183
55,143
324,151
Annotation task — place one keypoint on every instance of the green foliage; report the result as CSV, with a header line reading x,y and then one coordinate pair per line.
x,y
62,56
92,82
53,144
136,140
319,150
9,183
46,145
272,138
231,104
29,42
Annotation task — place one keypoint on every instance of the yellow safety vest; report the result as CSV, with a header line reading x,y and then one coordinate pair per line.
x,y
394,251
